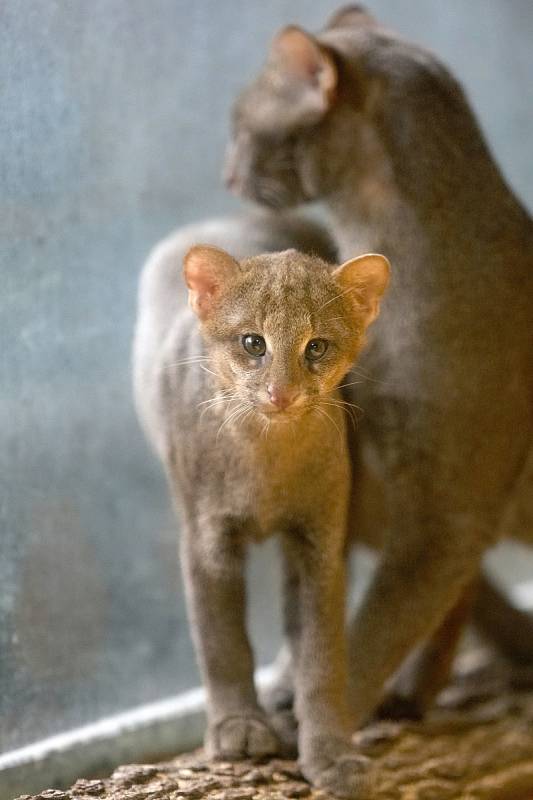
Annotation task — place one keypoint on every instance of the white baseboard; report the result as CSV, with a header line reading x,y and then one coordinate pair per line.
x,y
149,732
522,595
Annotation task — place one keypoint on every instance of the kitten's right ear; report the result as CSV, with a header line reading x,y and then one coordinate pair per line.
x,y
305,59
364,279
207,270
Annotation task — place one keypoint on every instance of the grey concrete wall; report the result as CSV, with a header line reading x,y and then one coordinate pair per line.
x,y
112,125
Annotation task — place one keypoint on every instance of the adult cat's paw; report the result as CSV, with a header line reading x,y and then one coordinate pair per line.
x,y
285,725
397,707
241,736
334,766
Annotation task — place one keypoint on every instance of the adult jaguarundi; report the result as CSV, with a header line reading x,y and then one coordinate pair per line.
x,y
379,130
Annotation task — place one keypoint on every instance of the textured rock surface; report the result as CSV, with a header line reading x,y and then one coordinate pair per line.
x,y
484,752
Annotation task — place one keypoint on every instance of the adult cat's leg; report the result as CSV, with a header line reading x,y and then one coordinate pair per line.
x,y
315,630
509,629
438,532
446,508
432,554
416,684
427,670
212,562
424,673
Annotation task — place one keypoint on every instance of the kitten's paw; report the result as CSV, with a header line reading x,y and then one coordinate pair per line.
x,y
241,736
334,766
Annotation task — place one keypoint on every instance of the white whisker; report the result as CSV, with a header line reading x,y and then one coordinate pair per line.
x,y
187,362
217,401
348,408
360,372
233,415
266,427
352,383
210,371
224,394
341,294
328,416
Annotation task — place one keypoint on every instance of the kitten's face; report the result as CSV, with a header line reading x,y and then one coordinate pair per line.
x,y
281,330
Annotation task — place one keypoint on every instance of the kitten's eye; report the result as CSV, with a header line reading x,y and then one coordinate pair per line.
x,y
315,349
254,344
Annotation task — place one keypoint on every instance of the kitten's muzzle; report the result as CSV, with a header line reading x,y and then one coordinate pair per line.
x,y
282,397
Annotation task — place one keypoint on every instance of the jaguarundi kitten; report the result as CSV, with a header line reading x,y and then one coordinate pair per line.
x,y
239,395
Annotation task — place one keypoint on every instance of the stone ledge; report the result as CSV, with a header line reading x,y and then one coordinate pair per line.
x,y
480,753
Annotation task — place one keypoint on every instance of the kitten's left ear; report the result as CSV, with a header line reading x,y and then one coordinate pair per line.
x,y
207,270
365,278
309,62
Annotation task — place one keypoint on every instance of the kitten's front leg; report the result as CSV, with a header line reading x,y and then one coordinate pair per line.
x,y
212,563
315,630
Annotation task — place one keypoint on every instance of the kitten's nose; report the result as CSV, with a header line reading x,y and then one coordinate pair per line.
x,y
282,396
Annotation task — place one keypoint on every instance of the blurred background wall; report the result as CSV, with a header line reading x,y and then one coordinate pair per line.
x,y
113,119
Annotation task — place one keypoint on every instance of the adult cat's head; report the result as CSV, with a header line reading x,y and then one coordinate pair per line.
x,y
281,330
339,104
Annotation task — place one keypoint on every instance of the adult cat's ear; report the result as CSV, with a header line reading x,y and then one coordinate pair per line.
x,y
365,278
207,270
304,58
353,15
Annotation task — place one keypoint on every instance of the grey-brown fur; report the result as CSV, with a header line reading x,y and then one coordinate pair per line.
x,y
241,470
163,293
379,130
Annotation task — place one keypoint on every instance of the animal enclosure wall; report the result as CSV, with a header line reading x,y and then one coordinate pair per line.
x,y
113,123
